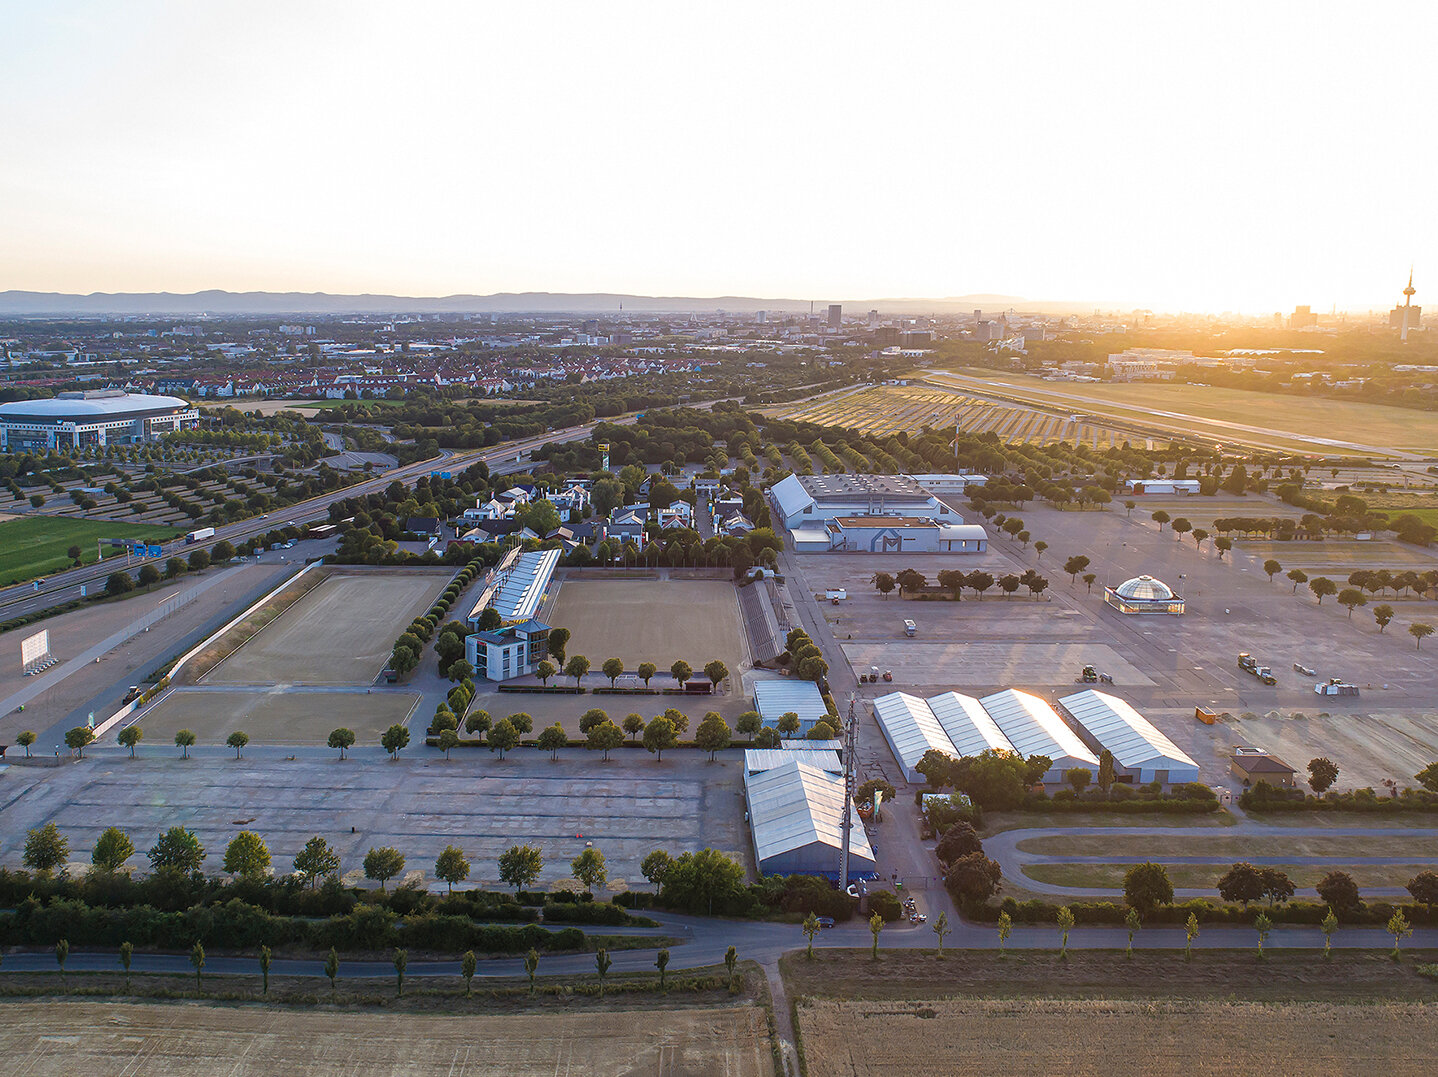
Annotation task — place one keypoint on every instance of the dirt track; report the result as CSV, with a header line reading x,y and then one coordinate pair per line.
x,y
60,1038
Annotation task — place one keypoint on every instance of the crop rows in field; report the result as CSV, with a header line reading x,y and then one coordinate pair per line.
x,y
889,409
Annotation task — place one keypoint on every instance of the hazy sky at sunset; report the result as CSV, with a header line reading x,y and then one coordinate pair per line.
x,y
1181,156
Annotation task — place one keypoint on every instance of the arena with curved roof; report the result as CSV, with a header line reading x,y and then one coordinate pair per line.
x,y
91,419
1144,594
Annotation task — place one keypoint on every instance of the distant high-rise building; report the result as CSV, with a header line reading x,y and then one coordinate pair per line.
x,y
1407,316
1302,317
873,318
761,316
836,315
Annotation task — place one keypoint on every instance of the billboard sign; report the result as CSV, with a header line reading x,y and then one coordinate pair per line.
x,y
35,647
155,551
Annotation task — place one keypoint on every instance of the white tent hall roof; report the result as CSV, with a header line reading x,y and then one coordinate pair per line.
x,y
1034,728
796,805
1131,737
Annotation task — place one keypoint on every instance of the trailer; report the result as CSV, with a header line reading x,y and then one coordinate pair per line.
x,y
199,535
1335,687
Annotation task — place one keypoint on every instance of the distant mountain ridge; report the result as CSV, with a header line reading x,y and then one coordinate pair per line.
x,y
16,303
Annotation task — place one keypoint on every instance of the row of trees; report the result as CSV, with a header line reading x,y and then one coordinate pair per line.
x,y
912,582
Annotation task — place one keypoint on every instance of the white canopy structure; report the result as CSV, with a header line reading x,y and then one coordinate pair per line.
x,y
826,759
796,812
911,730
1139,750
967,724
1034,728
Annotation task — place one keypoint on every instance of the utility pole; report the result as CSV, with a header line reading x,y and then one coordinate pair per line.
x,y
851,748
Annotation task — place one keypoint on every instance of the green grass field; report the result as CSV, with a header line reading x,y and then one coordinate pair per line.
x,y
1281,421
35,545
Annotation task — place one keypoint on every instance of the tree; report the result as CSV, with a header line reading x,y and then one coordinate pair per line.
x,y
1322,773
544,670
696,882
342,739
1277,886
1160,517
316,861
1066,924
503,737
45,849
1039,547
1383,615
1008,584
199,561
1423,888
197,959
1322,587
1078,777
716,671
554,738
265,967
681,672
1419,631
401,962
73,553
1263,925
959,840
112,849
731,958
1399,927
519,865
576,667
1146,886
645,671
712,735
602,962
1088,580
177,850
558,641
1190,932
467,966
883,583
876,925
383,864
1006,926
788,723
174,567
76,739
974,878
1133,923
451,867
185,740
1351,598
531,966
1106,773
1181,526
589,868
768,737
979,582
1297,575
748,723
1330,927
810,927
612,668
127,954
477,722
1200,536
821,730
247,856
332,968
447,741
1242,883
62,951
394,740
1272,568
1340,891
27,738
460,671
655,867
149,575
633,724
119,583
237,740
659,734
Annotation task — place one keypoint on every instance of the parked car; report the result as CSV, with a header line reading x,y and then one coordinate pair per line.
x,y
826,921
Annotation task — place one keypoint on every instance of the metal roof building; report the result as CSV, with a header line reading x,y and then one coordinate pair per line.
x,y
92,418
516,592
1139,750
911,730
1034,728
822,756
774,698
967,724
796,814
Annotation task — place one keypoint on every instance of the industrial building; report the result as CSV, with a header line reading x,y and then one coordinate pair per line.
x,y
949,485
821,754
774,698
510,652
1034,728
91,419
1162,486
515,588
815,500
796,815
1141,753
911,730
966,723
902,534
1144,594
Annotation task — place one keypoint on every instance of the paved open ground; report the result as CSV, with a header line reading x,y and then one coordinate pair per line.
x,y
340,633
43,1038
658,620
627,807
275,715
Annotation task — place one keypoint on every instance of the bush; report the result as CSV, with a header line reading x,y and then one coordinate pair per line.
x,y
886,904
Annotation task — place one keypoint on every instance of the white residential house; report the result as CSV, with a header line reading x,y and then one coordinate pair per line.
x,y
678,514
736,523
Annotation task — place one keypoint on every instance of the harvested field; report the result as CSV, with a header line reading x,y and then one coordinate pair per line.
x,y
1038,1036
99,1039
340,633
1420,845
659,621
1098,877
273,716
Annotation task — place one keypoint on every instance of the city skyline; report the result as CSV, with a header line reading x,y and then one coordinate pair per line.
x,y
1116,156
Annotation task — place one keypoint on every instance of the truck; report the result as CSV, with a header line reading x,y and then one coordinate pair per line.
x,y
836,594
199,535
1249,664
910,628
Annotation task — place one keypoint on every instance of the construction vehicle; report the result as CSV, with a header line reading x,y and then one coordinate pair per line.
x,y
1249,664
1090,675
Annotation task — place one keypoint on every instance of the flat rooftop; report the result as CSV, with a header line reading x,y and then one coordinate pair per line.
x,y
885,521
848,485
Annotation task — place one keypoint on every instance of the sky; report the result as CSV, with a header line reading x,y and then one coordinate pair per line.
x,y
1181,157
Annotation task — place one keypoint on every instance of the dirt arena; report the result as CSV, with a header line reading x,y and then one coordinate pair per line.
x,y
659,621
272,716
341,633
46,1038
1080,1037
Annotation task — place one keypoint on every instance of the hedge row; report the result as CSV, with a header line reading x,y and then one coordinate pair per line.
x,y
1264,798
1207,912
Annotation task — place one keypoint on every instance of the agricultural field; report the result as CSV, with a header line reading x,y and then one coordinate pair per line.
x,y
1232,416
889,409
102,1039
32,546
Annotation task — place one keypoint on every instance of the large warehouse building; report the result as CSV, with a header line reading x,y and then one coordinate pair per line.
x,y
1140,752
91,419
796,812
776,697
815,500
1034,728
